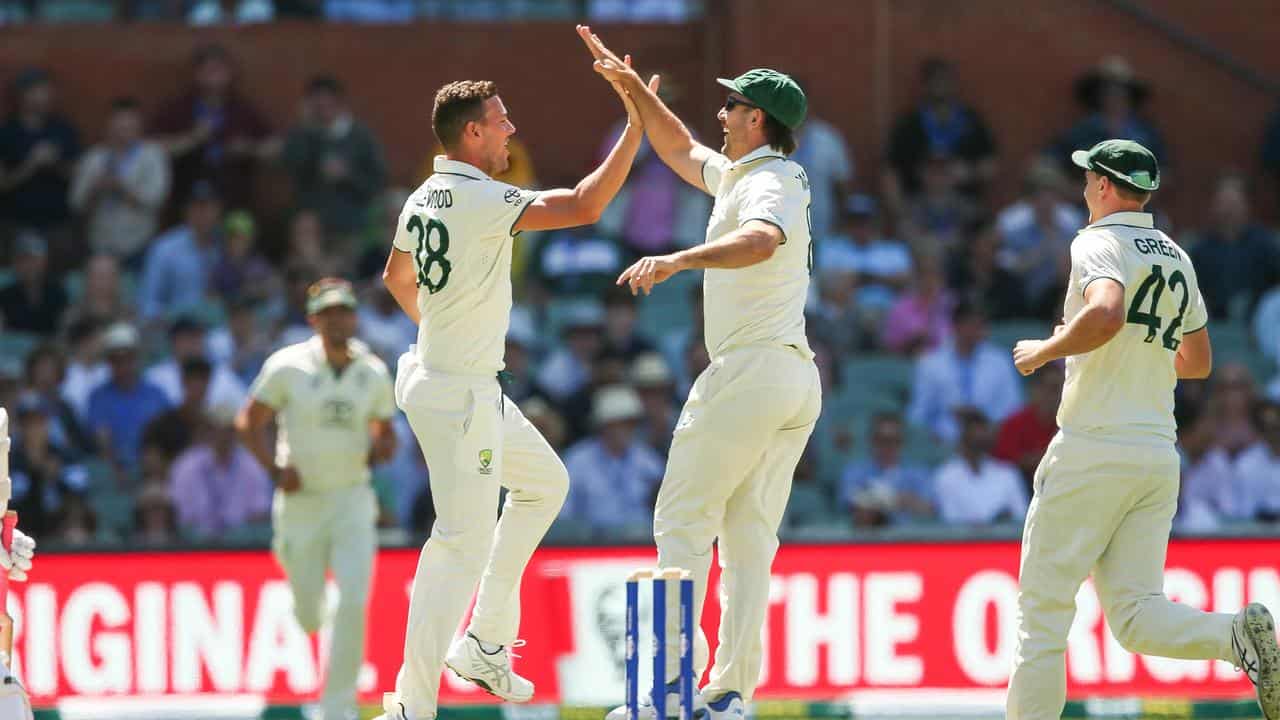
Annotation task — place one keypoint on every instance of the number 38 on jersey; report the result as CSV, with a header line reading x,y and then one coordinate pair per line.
x,y
430,256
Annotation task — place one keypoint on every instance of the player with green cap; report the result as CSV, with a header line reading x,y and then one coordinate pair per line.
x,y
331,400
750,414
1106,490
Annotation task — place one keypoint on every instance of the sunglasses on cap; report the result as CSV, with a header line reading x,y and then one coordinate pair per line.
x,y
733,102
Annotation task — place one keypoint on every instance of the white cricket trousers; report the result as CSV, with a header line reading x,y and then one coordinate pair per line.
x,y
736,446
1106,508
313,533
475,441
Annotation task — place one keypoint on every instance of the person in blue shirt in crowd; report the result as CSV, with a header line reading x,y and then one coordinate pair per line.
x,y
122,406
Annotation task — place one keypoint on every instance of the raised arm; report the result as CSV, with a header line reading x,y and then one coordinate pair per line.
x,y
585,202
670,138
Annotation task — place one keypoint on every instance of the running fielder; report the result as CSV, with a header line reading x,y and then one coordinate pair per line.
x,y
15,562
1134,324
450,271
332,401
750,413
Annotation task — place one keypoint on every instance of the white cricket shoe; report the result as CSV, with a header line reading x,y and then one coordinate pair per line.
x,y
728,706
1253,637
645,709
393,709
491,671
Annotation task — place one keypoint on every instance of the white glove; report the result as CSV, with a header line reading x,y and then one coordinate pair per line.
x,y
17,561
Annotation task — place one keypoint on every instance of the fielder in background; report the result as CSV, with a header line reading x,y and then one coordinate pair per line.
x,y
1106,489
332,401
450,271
750,413
15,561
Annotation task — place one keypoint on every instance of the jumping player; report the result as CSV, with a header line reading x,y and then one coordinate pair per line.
x,y
450,271
750,413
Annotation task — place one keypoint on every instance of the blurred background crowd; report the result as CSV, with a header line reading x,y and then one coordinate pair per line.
x,y
144,283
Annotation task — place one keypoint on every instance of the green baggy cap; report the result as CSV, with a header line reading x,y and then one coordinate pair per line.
x,y
775,93
1124,161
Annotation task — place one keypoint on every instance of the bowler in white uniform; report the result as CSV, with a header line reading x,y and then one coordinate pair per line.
x,y
749,415
1107,488
450,271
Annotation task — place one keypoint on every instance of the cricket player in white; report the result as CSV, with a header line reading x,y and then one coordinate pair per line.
x,y
750,413
1107,487
450,271
331,398
14,562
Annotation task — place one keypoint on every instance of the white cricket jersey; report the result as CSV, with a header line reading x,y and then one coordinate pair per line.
x,y
458,226
323,418
1124,389
763,303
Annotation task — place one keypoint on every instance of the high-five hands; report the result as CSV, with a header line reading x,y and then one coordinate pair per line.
x,y
617,70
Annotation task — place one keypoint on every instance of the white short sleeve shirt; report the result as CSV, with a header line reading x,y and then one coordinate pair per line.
x,y
1125,388
323,418
763,303
458,226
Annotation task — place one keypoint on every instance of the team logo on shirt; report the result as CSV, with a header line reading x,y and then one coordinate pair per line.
x,y
338,413
513,197
486,462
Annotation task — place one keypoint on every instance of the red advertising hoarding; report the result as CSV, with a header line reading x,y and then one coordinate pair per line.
x,y
842,618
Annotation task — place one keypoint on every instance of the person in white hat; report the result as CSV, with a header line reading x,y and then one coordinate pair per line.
x,y
332,402
655,384
120,408
613,474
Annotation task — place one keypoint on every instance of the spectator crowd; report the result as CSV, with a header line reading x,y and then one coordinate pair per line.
x,y
144,286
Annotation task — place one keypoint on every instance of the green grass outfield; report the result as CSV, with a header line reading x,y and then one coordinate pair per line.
x,y
1132,709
